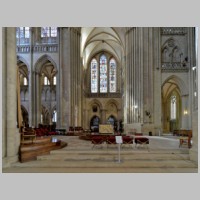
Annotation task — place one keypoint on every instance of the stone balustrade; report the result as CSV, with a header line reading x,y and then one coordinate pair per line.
x,y
38,48
173,30
174,66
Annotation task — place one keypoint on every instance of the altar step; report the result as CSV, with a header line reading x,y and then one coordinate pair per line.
x,y
110,160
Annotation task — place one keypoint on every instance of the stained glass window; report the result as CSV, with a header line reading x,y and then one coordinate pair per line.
x,y
112,76
17,32
49,32
45,32
103,74
53,31
26,32
173,107
22,32
94,76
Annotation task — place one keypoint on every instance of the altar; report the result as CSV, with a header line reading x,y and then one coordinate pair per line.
x,y
106,129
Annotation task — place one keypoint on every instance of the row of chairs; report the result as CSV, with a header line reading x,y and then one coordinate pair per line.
x,y
127,140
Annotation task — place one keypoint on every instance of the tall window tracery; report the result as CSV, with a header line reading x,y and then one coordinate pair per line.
x,y
113,75
103,75
173,107
94,76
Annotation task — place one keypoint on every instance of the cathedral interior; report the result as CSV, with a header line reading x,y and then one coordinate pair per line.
x,y
138,79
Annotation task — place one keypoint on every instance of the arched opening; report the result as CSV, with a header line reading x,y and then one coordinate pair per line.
x,y
112,120
45,116
48,90
94,124
171,106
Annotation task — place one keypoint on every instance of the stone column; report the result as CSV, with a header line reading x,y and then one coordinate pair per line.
x,y
37,98
11,135
184,113
75,66
4,81
142,64
85,121
194,79
157,103
31,87
11,90
194,150
59,84
37,38
65,112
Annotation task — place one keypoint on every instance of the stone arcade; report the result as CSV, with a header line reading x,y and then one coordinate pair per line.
x,y
137,78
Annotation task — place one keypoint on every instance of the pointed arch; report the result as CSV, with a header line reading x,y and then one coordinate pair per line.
x,y
42,60
179,82
97,102
94,123
45,115
112,101
171,50
21,59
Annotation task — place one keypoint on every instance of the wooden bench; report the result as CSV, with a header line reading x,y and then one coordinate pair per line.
x,y
41,146
28,133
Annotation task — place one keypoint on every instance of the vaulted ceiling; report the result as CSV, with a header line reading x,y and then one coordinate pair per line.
x,y
96,39
168,87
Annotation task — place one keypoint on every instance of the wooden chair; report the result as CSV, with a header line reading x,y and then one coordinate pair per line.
x,y
97,140
141,141
127,140
185,139
110,140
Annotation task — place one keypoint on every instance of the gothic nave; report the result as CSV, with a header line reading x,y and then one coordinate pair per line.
x,y
139,79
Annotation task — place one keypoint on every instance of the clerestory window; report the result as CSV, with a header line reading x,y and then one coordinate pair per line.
x,y
48,32
23,32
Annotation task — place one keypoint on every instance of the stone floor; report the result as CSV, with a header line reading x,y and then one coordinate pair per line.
x,y
163,155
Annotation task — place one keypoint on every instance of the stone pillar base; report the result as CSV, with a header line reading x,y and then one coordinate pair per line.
x,y
8,161
193,153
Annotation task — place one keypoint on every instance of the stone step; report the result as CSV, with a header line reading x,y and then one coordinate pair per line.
x,y
113,163
113,156
122,151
